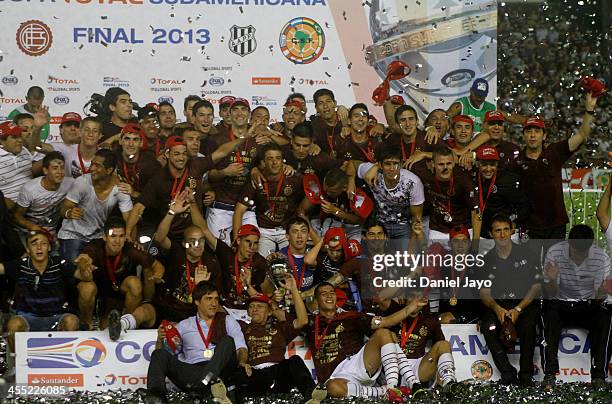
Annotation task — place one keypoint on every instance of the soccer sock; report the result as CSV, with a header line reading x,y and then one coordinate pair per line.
x,y
446,368
388,357
357,390
128,322
407,376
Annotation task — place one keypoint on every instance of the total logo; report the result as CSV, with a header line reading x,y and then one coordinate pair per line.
x,y
62,84
312,82
165,99
9,100
216,81
61,100
10,80
161,84
124,380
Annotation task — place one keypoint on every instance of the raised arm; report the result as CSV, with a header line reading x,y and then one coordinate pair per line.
x,y
583,132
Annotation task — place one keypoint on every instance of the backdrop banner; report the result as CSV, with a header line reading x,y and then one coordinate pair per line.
x,y
91,361
164,50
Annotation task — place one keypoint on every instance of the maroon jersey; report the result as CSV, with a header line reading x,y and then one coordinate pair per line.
x,y
397,140
267,343
542,181
319,164
228,188
232,291
327,137
332,342
348,149
508,153
275,201
138,172
454,200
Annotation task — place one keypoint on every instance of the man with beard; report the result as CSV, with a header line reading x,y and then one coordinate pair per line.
x,y
451,197
89,203
167,118
231,175
359,146
499,192
268,371
119,104
136,167
244,268
179,173
540,170
511,302
108,270
294,113
439,120
347,366
38,205
275,200
188,259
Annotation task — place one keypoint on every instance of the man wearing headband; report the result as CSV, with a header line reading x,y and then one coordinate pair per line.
x,y
42,284
108,270
149,122
267,370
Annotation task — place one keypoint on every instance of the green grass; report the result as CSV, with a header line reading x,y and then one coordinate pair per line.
x,y
581,209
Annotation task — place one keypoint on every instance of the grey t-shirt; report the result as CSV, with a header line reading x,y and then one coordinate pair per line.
x,y
42,205
90,226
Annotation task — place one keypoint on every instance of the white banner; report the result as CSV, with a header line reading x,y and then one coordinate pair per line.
x,y
91,361
163,50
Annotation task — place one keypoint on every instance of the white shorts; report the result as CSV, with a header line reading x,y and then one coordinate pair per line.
x,y
353,369
220,223
414,365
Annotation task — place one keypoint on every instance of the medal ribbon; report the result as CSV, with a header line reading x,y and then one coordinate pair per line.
x,y
237,268
157,147
237,153
294,268
83,169
206,339
406,335
318,340
412,148
131,179
190,282
177,186
278,189
448,193
111,267
369,154
483,204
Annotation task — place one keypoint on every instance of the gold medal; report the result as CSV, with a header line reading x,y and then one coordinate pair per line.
x,y
208,353
115,287
452,301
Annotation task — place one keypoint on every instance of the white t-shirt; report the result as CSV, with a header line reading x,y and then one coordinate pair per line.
x,y
43,205
90,226
15,170
71,157
393,204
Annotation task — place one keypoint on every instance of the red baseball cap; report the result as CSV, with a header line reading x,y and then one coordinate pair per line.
x,y
312,188
248,230
487,153
494,116
71,117
240,101
361,203
463,118
9,128
458,231
335,233
397,100
228,99
534,121
174,141
260,297
132,128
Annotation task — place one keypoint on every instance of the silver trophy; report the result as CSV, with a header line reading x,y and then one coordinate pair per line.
x,y
278,271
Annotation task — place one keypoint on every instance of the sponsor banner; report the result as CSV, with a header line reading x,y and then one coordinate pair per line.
x,y
91,361
263,48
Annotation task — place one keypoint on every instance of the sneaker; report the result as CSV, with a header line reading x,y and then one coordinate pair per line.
x,y
395,395
219,392
318,394
114,325
549,382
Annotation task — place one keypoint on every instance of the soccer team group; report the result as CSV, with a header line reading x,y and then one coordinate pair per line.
x,y
234,238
